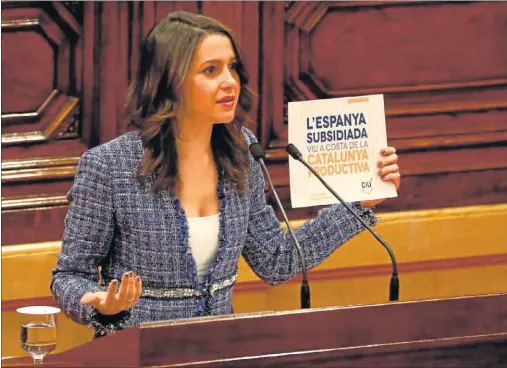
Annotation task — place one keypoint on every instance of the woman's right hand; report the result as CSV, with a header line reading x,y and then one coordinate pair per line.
x,y
111,302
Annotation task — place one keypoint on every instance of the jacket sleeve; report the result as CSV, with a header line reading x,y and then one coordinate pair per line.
x,y
270,251
87,238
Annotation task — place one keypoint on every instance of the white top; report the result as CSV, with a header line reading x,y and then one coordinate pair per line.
x,y
203,241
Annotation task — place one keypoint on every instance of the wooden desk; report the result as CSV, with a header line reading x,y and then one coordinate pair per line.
x,y
457,332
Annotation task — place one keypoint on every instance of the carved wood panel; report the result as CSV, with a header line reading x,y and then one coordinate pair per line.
x,y
442,68
41,114
66,69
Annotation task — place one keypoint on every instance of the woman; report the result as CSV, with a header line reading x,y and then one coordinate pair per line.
x,y
170,208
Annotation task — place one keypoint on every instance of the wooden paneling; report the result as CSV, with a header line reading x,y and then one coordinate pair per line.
x,y
444,88
29,84
440,253
67,66
271,70
393,36
42,61
64,88
38,221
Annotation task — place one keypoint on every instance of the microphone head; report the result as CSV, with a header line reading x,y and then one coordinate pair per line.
x,y
293,151
256,150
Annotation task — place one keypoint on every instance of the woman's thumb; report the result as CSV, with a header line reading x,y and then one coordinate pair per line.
x,y
89,299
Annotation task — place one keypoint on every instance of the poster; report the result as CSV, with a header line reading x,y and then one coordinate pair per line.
x,y
341,139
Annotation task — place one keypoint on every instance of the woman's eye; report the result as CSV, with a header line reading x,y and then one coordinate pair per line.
x,y
209,70
234,66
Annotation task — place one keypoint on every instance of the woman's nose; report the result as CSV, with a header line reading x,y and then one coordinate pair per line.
x,y
229,79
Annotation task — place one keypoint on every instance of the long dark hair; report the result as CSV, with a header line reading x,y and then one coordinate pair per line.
x,y
165,57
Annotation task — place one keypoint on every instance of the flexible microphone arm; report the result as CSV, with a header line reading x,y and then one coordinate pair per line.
x,y
394,288
258,154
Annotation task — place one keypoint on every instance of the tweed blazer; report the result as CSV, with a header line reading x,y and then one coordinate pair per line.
x,y
116,223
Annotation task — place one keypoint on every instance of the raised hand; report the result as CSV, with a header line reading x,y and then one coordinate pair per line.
x,y
116,300
388,170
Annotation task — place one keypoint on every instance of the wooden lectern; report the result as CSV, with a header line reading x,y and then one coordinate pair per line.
x,y
457,332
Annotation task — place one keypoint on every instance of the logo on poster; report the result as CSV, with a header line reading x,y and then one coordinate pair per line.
x,y
366,186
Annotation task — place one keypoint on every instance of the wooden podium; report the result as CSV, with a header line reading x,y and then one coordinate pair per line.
x,y
457,332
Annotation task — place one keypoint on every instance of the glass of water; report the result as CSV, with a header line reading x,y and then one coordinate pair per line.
x,y
38,331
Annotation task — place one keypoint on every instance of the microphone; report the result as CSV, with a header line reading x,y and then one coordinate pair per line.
x,y
394,287
258,155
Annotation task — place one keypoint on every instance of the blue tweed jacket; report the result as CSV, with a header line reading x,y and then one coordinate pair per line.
x,y
116,223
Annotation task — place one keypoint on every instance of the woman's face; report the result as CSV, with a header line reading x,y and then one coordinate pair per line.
x,y
211,88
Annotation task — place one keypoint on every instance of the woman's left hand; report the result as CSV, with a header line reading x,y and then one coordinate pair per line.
x,y
388,170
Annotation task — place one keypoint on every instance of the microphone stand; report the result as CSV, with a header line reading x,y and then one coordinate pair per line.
x,y
394,286
258,154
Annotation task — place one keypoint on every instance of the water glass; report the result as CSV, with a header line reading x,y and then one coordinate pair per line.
x,y
38,331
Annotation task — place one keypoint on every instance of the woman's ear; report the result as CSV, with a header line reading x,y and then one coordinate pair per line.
x,y
176,128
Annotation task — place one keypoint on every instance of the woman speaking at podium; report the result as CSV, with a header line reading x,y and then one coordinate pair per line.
x,y
160,216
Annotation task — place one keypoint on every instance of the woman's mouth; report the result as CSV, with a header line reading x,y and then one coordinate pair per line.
x,y
227,101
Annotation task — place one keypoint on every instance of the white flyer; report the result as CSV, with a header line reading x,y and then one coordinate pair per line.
x,y
341,139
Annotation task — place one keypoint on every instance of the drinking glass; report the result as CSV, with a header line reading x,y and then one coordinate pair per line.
x,y
38,331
